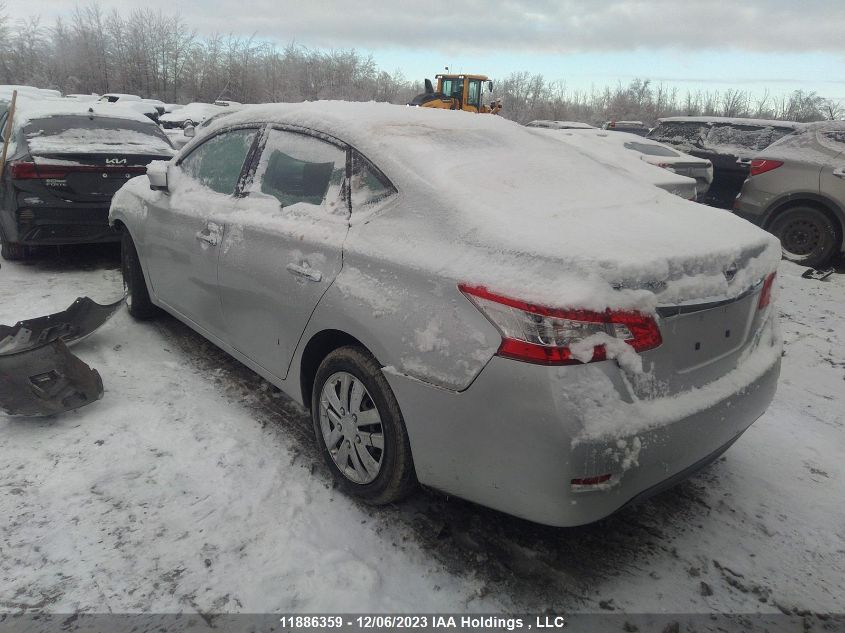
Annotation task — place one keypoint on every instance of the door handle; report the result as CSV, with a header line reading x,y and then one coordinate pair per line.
x,y
302,271
839,172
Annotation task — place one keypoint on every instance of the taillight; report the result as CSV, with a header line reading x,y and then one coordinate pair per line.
x,y
766,292
762,165
30,171
21,170
543,335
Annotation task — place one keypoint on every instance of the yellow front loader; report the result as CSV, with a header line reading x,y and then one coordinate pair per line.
x,y
459,92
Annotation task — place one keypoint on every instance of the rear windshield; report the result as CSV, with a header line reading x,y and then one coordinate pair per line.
x,y
651,150
746,137
680,132
82,134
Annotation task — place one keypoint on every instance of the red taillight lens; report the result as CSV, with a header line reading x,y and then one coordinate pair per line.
x,y
762,165
543,335
583,482
766,292
21,170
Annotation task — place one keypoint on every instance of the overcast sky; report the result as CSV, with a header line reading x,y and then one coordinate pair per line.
x,y
779,44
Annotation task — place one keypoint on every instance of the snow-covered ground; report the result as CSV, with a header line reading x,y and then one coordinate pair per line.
x,y
193,485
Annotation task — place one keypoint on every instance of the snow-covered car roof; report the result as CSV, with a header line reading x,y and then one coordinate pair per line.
x,y
121,96
561,125
621,138
196,111
29,109
485,197
609,148
721,120
6,91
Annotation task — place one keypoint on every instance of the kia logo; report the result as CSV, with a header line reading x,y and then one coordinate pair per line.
x,y
115,161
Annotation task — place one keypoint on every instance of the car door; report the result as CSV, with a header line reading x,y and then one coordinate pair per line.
x,y
185,228
282,248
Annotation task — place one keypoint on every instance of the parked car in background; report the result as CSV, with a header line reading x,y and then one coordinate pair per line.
x,y
632,127
728,143
83,98
144,108
160,106
659,155
561,125
192,114
453,316
796,190
170,107
29,92
610,152
32,92
114,97
65,161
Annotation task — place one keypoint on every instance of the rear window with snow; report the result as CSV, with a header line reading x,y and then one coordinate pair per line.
x,y
680,132
651,150
833,139
744,137
72,134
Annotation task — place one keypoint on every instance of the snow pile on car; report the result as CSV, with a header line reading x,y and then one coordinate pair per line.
x,y
485,200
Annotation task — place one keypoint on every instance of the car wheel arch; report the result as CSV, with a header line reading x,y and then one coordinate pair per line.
x,y
826,206
121,225
318,347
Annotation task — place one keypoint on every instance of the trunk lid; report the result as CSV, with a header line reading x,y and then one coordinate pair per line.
x,y
88,177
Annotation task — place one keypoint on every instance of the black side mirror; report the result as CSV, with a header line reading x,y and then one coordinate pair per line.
x,y
489,86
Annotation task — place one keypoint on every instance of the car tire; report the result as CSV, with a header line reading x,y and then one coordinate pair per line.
x,y
379,468
12,251
134,285
808,235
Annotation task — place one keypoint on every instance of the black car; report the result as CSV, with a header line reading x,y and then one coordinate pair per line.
x,y
64,163
729,143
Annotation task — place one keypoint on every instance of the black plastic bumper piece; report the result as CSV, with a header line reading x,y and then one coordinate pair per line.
x,y
72,325
46,380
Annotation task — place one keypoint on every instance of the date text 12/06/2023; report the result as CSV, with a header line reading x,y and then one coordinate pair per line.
x,y
425,622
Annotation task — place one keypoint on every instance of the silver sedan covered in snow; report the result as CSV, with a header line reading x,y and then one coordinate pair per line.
x,y
462,302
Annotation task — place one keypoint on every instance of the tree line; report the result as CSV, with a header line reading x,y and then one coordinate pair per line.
x,y
158,55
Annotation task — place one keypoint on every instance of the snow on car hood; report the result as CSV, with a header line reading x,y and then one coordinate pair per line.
x,y
485,200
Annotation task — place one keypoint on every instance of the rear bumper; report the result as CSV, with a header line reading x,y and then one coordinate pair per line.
x,y
520,433
62,225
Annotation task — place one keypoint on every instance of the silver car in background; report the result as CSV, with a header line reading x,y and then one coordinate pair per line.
x,y
796,190
461,302
617,151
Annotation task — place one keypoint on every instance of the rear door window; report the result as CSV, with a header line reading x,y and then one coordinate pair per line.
x,y
369,187
218,162
298,169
